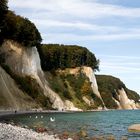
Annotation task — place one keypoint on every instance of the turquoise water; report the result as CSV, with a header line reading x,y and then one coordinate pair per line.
x,y
95,123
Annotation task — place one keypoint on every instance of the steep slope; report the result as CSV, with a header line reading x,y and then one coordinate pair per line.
x,y
125,102
67,89
26,62
11,97
90,74
68,81
77,85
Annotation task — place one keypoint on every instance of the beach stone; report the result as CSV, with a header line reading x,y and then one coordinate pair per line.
x,y
83,133
95,129
65,135
41,130
10,132
76,137
134,128
70,139
98,138
110,137
124,138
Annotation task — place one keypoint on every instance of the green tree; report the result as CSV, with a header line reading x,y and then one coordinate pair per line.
x,y
3,8
21,30
3,11
27,33
55,56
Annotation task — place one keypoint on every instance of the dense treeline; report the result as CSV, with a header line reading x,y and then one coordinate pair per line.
x,y
54,56
18,28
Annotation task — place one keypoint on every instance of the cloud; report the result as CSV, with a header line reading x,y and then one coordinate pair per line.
x,y
80,8
120,64
77,20
120,69
79,25
89,22
122,58
76,37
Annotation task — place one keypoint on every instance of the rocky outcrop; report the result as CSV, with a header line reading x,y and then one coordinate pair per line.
x,y
134,128
70,106
90,74
122,100
125,102
27,62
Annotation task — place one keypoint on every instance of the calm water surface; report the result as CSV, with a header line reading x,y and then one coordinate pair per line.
x,y
95,123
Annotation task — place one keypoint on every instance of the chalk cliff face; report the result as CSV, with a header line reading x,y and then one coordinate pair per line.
x,y
26,62
125,102
115,94
11,97
90,74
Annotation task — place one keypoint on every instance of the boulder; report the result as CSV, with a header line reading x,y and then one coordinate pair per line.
x,y
134,128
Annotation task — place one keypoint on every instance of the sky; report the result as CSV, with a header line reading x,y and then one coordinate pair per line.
x,y
108,28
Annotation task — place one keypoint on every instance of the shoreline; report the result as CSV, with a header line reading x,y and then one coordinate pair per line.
x,y
20,112
5,128
16,131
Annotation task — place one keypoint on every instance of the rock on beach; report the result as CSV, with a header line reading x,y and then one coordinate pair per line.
x,y
134,128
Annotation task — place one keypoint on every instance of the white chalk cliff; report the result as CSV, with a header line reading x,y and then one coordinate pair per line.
x,y
26,61
88,71
125,102
90,74
11,97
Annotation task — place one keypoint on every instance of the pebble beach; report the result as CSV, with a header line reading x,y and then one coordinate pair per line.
x,y
10,132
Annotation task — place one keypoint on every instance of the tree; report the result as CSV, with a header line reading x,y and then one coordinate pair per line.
x,y
3,11
27,33
21,30
55,56
3,8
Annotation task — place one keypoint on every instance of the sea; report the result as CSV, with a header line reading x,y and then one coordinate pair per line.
x,y
97,123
